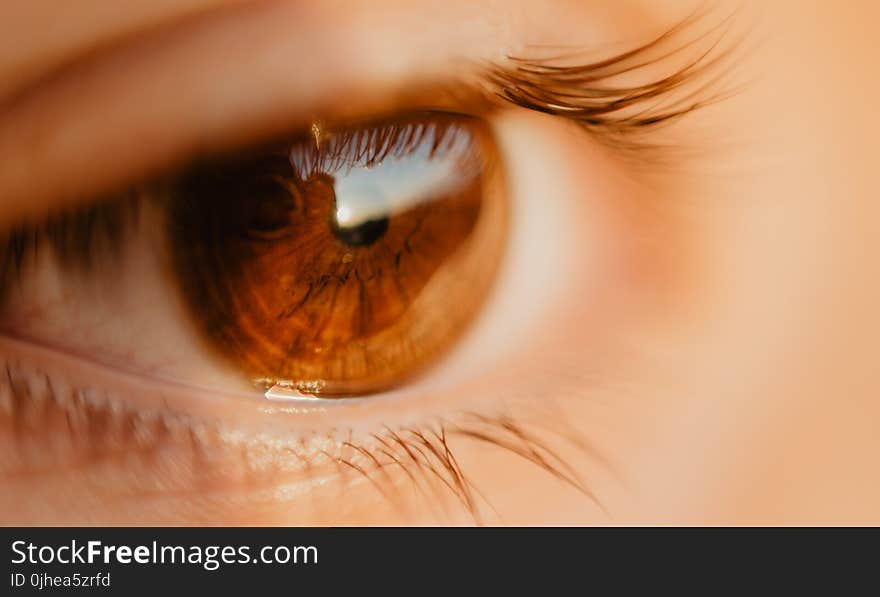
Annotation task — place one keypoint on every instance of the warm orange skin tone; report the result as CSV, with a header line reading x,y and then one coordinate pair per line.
x,y
714,333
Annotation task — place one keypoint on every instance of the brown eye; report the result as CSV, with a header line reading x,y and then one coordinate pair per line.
x,y
344,262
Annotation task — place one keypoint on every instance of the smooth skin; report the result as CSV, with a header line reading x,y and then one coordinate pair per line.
x,y
708,327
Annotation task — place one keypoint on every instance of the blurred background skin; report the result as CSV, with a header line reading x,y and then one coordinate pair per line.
x,y
731,334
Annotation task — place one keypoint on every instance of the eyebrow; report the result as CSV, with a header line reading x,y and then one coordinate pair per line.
x,y
83,117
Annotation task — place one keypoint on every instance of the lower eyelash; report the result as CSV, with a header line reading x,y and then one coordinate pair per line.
x,y
427,449
397,462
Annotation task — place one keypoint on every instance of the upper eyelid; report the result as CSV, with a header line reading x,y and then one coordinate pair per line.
x,y
58,147
122,117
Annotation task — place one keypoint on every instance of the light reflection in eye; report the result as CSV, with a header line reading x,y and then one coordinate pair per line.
x,y
348,266
435,168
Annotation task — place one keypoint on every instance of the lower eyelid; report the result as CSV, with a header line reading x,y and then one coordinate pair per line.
x,y
52,428
78,379
53,422
87,397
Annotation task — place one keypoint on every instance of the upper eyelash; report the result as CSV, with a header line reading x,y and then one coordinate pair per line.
x,y
582,93
75,236
586,93
369,146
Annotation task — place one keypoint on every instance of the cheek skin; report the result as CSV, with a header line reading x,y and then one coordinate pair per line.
x,y
759,401
716,340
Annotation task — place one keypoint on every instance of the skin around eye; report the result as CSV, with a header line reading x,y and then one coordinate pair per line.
x,y
700,348
346,262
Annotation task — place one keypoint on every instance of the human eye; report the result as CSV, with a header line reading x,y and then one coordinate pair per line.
x,y
315,298
343,263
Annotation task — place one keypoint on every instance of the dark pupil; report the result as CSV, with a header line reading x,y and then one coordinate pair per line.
x,y
364,233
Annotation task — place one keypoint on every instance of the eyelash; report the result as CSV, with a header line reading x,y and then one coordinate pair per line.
x,y
621,115
420,453
580,93
369,146
78,236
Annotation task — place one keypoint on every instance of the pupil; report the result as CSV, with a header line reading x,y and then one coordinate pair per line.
x,y
361,234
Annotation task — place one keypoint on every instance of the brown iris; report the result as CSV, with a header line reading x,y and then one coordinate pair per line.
x,y
346,261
